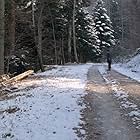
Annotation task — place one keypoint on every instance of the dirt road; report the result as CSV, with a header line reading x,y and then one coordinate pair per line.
x,y
103,116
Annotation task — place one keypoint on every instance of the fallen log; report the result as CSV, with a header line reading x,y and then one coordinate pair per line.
x,y
4,77
18,77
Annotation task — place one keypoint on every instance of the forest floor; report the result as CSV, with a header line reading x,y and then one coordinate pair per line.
x,y
73,102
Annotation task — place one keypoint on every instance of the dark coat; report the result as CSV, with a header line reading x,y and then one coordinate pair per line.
x,y
109,60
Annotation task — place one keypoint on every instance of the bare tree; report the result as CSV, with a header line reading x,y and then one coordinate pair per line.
x,y
2,31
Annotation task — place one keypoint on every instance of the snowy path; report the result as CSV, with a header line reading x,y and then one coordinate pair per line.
x,y
48,110
104,118
55,105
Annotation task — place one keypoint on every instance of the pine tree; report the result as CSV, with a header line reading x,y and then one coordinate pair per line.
x,y
103,27
67,15
54,27
86,38
116,19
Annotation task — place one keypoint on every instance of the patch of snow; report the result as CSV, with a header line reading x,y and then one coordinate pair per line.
x,y
130,69
101,29
49,111
134,113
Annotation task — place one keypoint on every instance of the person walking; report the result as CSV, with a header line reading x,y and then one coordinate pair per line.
x,y
109,60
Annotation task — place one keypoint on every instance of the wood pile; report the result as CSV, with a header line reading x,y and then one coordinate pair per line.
x,y
6,80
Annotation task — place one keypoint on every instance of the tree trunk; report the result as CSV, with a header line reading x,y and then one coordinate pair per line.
x,y
69,42
11,30
39,47
54,37
122,26
12,26
35,36
2,32
33,13
38,43
63,53
74,34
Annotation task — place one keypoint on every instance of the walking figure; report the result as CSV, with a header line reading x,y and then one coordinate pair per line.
x,y
109,60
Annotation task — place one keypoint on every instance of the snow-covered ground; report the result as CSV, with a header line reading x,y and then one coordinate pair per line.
x,y
48,111
131,68
50,108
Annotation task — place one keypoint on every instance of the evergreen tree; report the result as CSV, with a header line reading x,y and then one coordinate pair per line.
x,y
116,19
54,26
86,39
119,27
25,43
103,26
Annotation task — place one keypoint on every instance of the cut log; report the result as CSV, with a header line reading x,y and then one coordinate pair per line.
x,y
4,77
19,77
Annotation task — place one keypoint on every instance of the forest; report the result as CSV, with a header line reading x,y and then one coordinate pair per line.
x,y
69,70
37,33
